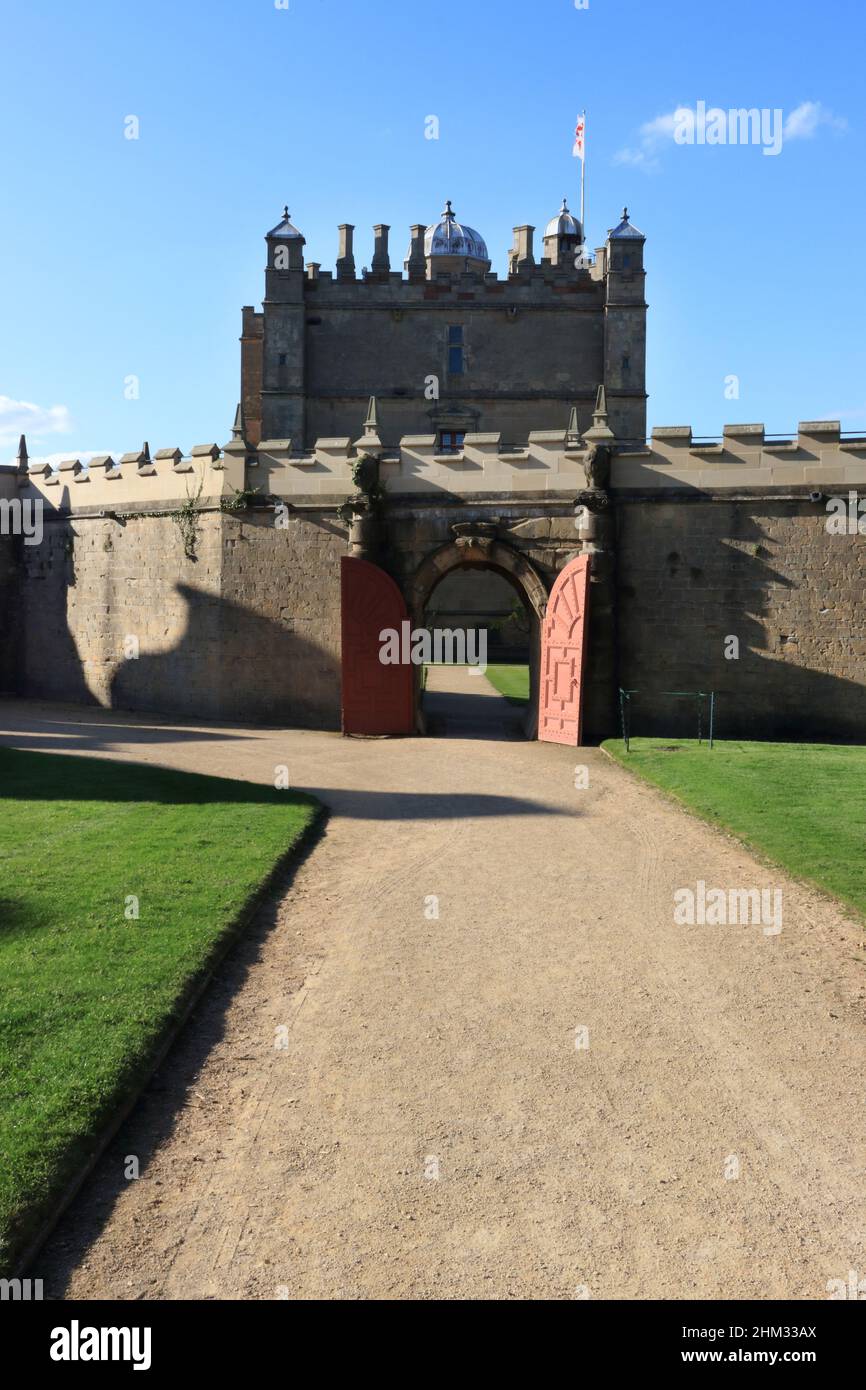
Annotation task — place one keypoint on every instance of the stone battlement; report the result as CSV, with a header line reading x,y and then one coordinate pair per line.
x,y
552,462
167,478
745,456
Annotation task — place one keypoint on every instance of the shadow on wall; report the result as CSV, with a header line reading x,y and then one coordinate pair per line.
x,y
233,664
694,575
49,664
230,662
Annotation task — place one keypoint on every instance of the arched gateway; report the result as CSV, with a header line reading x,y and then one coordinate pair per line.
x,y
382,698
477,550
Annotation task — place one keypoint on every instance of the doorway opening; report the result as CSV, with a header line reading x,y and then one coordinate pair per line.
x,y
481,584
479,687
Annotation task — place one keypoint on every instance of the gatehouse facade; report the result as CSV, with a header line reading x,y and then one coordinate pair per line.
x,y
437,422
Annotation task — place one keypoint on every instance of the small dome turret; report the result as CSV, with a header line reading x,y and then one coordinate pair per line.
x,y
448,237
564,224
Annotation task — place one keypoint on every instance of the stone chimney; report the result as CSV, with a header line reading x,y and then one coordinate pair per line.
x,y
346,256
523,246
381,262
416,265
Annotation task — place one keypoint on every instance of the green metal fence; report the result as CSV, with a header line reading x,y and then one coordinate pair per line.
x,y
705,700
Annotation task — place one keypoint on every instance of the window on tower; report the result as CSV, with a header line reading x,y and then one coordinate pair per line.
x,y
455,350
450,441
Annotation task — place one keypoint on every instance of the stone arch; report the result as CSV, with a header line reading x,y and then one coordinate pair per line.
x,y
485,553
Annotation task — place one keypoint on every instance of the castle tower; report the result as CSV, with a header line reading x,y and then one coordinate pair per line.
x,y
446,346
283,348
625,331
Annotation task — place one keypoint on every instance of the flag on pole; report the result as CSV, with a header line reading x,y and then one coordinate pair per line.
x,y
580,128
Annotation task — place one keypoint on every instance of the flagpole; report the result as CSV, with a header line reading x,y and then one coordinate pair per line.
x,y
583,178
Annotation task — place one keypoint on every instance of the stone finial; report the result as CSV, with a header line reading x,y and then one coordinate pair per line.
x,y
23,459
141,458
239,428
370,442
600,428
572,434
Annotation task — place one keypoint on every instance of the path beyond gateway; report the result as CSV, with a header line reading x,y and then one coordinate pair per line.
x,y
471,1055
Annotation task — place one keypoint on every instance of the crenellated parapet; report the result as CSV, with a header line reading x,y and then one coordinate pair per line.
x,y
745,456
165,479
553,463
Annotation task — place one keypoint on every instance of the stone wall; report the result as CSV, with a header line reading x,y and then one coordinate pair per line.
x,y
247,631
96,587
8,610
698,542
512,342
280,639
693,572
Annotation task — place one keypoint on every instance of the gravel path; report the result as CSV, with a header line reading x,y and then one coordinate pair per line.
x,y
429,1126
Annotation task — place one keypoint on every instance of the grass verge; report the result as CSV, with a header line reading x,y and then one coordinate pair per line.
x,y
88,990
801,805
512,681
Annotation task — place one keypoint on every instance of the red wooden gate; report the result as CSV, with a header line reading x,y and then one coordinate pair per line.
x,y
377,699
563,648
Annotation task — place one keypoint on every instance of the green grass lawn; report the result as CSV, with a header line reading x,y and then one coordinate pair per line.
x,y
510,681
87,993
802,805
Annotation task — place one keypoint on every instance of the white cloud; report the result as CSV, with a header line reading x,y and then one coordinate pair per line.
x,y
650,137
23,417
659,129
802,123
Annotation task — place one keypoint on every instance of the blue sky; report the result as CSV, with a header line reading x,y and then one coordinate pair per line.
x,y
123,258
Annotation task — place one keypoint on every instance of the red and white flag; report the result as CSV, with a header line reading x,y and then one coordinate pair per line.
x,y
580,128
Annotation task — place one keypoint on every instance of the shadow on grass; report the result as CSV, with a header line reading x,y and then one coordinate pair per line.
x,y
62,778
29,776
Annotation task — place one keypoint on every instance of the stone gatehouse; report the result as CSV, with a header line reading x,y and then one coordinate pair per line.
x,y
505,421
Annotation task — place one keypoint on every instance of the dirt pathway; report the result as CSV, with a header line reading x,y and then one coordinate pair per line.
x,y
431,1129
